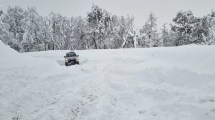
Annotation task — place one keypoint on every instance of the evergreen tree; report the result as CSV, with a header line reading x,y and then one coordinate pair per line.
x,y
165,36
184,27
211,35
148,33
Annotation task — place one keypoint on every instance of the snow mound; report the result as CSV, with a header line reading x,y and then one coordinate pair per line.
x,y
6,50
20,79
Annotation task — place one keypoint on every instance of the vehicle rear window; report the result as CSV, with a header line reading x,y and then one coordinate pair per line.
x,y
70,54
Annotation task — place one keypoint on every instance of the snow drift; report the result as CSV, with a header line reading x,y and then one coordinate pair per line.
x,y
133,84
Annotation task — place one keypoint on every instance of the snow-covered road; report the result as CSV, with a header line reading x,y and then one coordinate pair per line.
x,y
126,84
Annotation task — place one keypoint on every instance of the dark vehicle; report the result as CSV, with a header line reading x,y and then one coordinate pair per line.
x,y
71,58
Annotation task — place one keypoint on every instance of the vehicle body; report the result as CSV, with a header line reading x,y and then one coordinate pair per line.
x,y
71,58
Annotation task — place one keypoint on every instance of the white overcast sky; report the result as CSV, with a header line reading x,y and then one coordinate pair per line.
x,y
165,10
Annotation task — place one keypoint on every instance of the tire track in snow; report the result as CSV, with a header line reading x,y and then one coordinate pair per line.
x,y
86,92
89,98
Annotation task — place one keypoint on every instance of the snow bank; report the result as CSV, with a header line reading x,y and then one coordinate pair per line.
x,y
21,81
134,84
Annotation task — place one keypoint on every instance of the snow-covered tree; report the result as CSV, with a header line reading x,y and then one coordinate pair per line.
x,y
14,18
26,30
45,34
57,37
148,33
1,22
3,28
127,32
98,23
200,31
211,35
79,40
165,37
32,40
184,26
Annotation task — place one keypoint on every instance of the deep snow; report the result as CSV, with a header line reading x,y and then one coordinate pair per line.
x,y
175,83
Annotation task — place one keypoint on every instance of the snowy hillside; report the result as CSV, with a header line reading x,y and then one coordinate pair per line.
x,y
127,84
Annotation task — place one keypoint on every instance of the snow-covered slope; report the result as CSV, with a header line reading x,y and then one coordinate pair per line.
x,y
126,84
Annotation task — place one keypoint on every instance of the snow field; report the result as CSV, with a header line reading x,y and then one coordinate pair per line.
x,y
125,84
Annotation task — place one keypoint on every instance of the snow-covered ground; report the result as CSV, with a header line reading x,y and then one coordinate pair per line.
x,y
127,84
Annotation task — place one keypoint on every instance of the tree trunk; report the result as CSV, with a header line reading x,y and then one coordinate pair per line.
x,y
94,39
124,42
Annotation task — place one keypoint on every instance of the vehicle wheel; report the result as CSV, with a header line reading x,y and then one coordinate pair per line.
x,y
77,62
66,64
